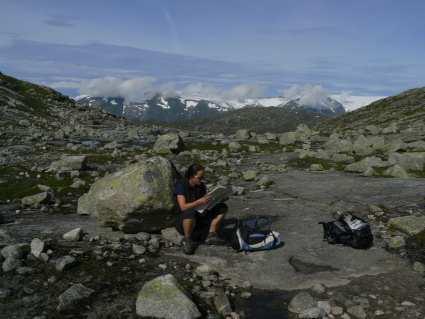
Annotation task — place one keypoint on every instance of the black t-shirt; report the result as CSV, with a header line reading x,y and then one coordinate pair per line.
x,y
191,193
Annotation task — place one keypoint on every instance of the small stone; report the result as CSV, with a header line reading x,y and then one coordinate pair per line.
x,y
246,285
138,249
419,267
172,235
246,295
325,305
312,313
162,266
337,311
64,263
25,270
318,288
249,175
142,236
73,235
379,313
408,304
37,247
203,270
11,264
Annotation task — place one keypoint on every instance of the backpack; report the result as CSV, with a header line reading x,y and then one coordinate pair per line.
x,y
348,230
254,234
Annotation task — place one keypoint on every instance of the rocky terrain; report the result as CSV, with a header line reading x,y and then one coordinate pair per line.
x,y
87,212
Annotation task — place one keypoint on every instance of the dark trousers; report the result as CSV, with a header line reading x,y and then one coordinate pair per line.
x,y
202,221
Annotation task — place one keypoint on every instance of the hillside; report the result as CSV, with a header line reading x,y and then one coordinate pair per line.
x,y
258,119
403,110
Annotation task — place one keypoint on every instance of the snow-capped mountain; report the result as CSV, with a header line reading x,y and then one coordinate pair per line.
x,y
171,109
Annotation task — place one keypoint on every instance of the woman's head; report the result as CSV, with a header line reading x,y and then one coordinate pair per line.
x,y
195,174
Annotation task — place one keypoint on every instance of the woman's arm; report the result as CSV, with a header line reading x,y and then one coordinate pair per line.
x,y
181,200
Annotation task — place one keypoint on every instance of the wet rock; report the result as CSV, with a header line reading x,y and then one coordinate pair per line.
x,y
141,194
163,298
64,263
410,225
37,247
301,302
73,297
172,235
73,235
168,144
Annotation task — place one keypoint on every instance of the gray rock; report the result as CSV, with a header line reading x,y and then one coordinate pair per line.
x,y
36,200
37,247
337,311
138,249
249,175
301,302
408,161
265,181
312,313
235,147
172,235
287,138
163,298
318,288
366,163
238,190
68,163
73,297
142,236
396,171
64,263
137,198
357,312
316,167
73,235
242,135
168,144
419,267
222,303
411,225
325,305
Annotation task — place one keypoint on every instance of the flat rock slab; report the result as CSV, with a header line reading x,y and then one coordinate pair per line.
x,y
305,259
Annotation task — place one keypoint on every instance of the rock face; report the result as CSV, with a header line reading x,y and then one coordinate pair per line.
x,y
163,298
137,198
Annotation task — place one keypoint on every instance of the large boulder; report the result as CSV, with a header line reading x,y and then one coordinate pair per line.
x,y
168,144
163,298
136,198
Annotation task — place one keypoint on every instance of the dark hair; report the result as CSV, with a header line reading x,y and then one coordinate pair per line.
x,y
193,169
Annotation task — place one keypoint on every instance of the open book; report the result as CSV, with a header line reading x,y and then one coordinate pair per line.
x,y
218,195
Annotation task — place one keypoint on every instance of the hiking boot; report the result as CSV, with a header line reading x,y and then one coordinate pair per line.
x,y
188,246
213,239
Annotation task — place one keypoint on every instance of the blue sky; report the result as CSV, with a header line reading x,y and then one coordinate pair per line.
x,y
364,47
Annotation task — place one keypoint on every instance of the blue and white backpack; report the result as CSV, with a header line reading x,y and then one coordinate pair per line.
x,y
254,233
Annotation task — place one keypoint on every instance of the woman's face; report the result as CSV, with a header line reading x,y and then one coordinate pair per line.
x,y
197,178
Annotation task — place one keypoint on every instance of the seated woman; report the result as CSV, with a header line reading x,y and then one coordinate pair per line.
x,y
191,194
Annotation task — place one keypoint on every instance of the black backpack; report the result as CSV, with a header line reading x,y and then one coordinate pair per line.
x,y
254,234
348,230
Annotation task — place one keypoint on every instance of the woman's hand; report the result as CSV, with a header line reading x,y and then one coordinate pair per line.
x,y
204,200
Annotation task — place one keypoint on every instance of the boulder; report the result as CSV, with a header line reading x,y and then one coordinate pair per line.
x,y
411,225
162,297
172,235
68,163
134,199
10,264
235,147
17,251
37,247
362,146
168,144
73,235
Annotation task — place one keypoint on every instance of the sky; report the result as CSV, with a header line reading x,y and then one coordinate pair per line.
x,y
373,47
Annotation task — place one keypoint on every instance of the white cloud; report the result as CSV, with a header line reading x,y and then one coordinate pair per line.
x,y
244,91
133,89
308,94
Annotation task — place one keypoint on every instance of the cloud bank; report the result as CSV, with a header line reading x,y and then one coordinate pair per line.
x,y
307,94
